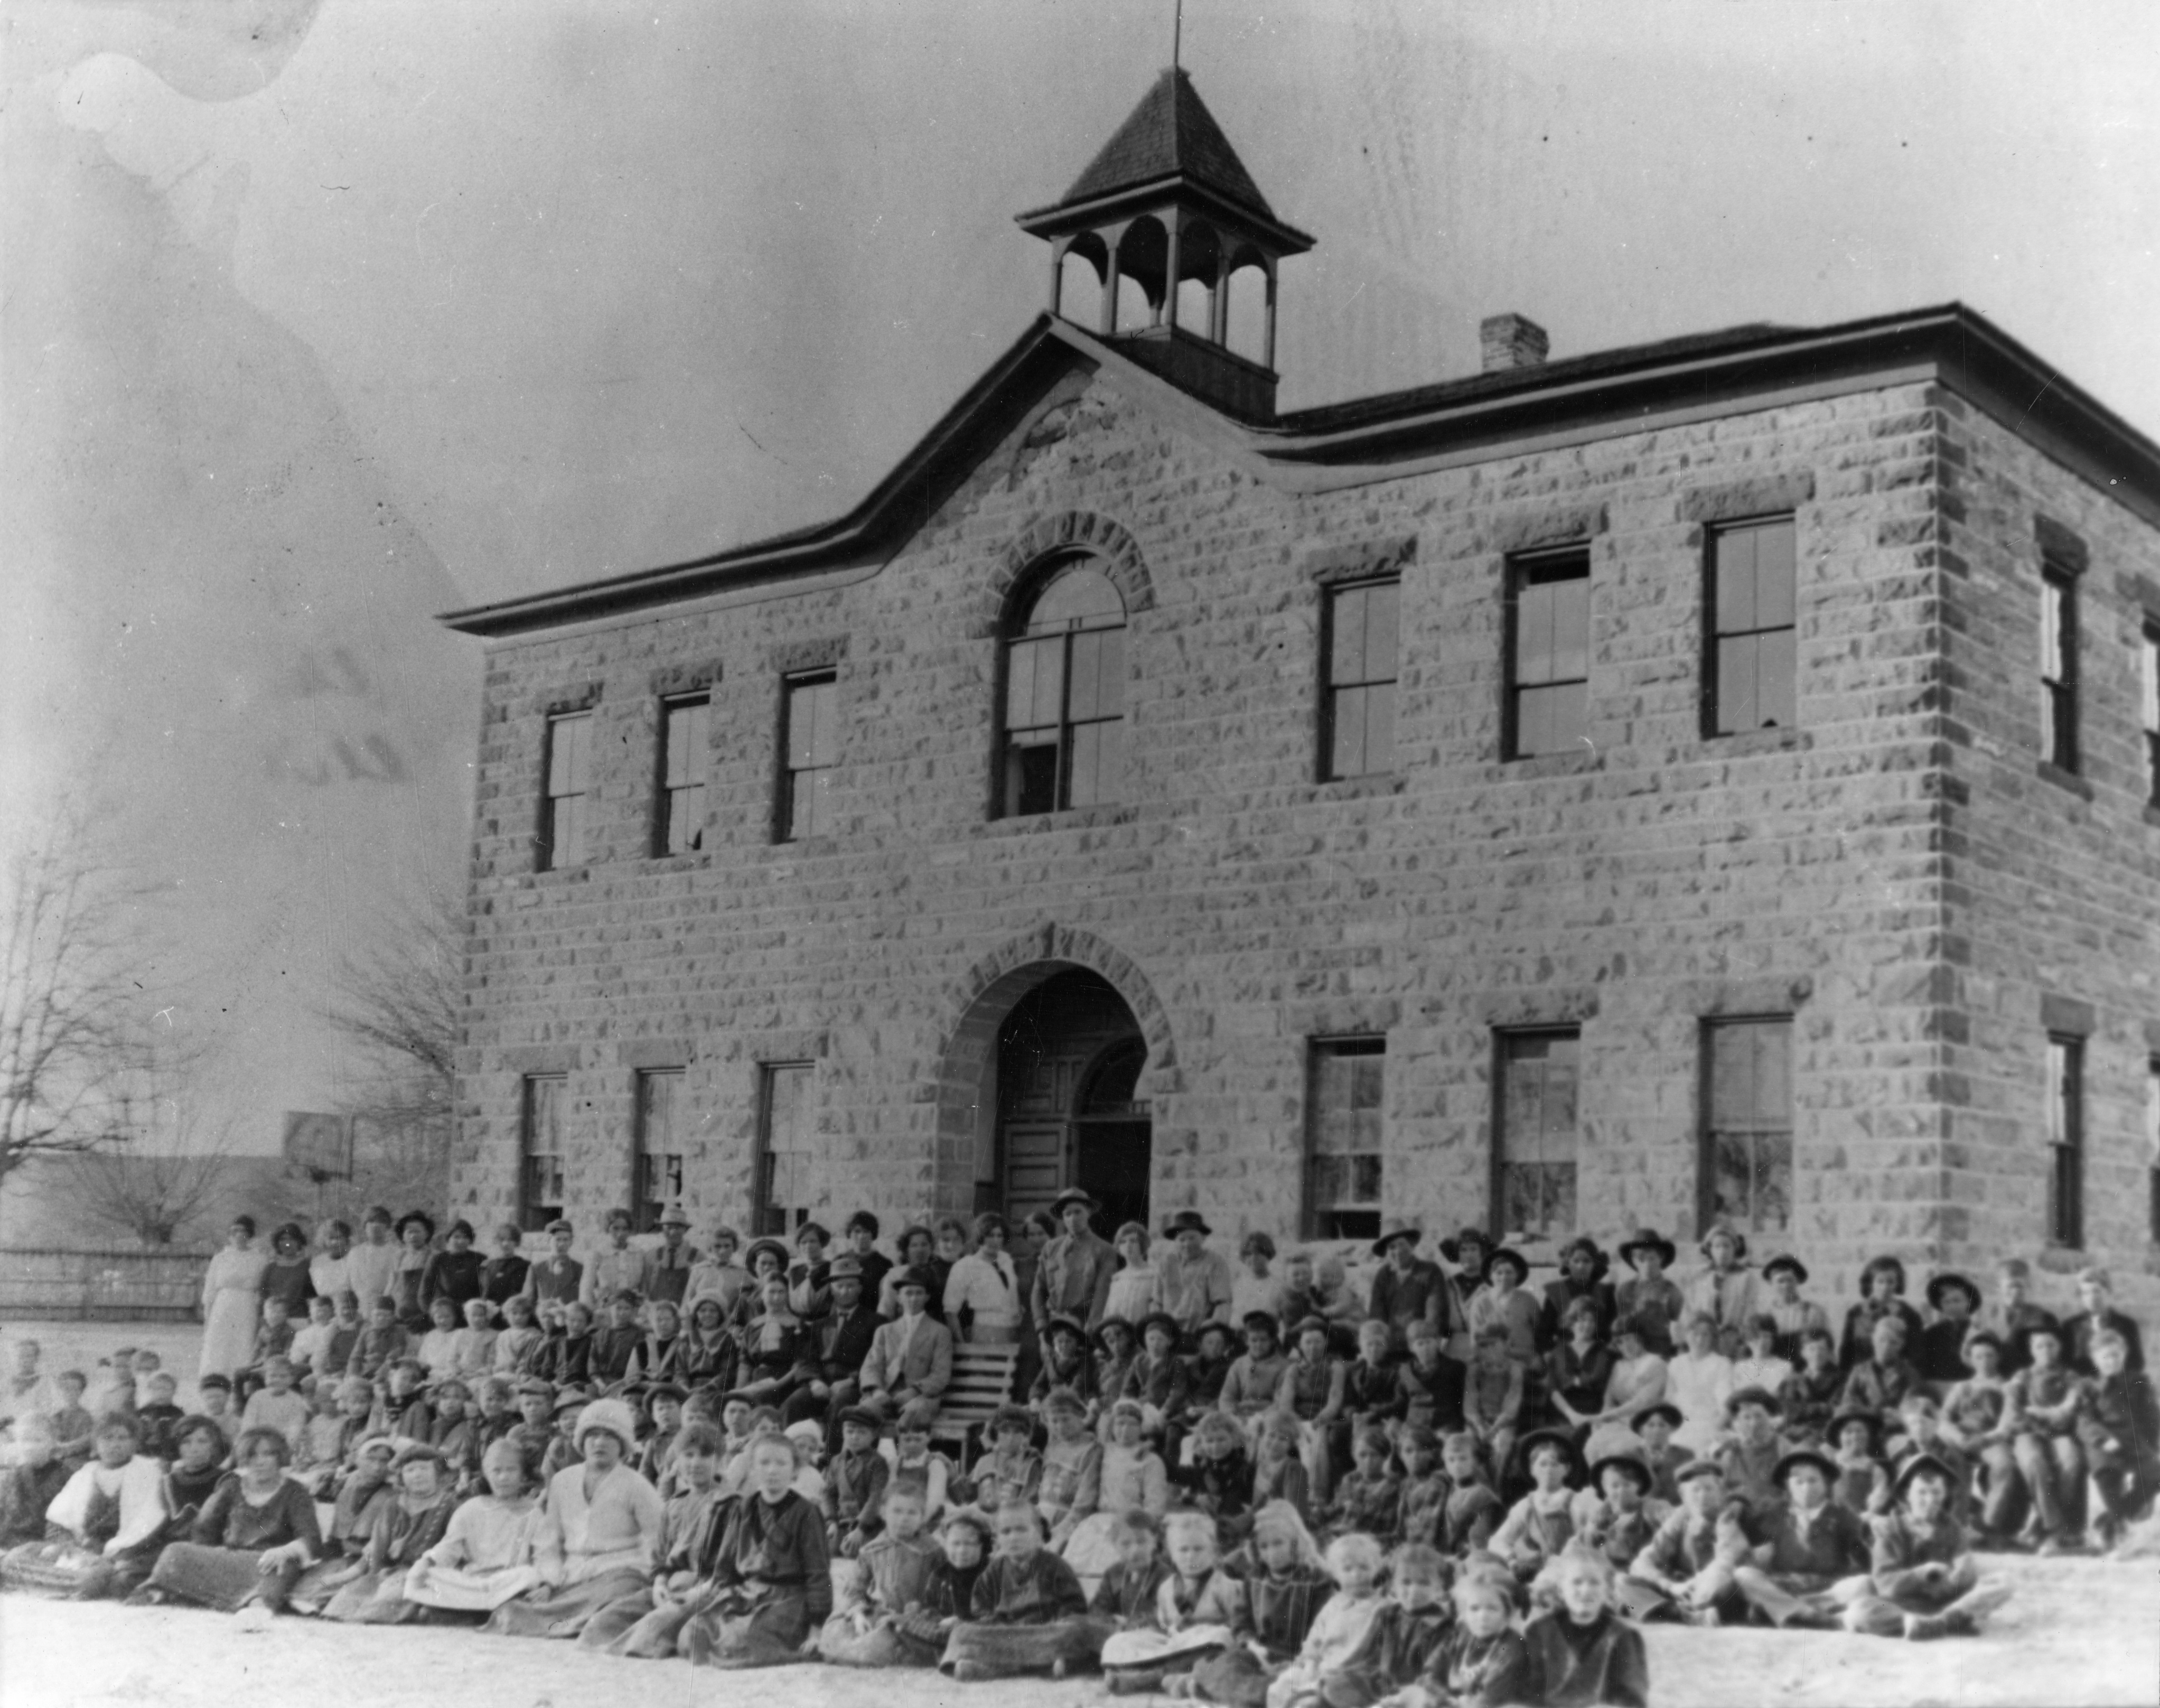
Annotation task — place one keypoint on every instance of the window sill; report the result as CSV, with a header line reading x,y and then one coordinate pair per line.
x,y
1553,765
1068,819
1743,742
1357,788
2050,771
678,862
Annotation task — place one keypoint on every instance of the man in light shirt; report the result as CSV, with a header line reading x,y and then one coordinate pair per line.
x,y
1192,1282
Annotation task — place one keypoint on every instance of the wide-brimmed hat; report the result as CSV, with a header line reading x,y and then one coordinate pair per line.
x,y
1664,1408
844,1268
1065,1320
1171,1325
1836,1428
1648,1239
1108,1323
1786,1260
1628,1456
1753,1394
1395,1231
1508,1253
750,1257
1831,1469
610,1417
1186,1221
908,1276
1561,1439
1451,1248
1073,1195
673,1217
1944,1283
1729,1232
1912,1465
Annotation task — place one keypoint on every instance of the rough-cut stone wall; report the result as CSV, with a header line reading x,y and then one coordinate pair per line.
x,y
2054,879
1648,882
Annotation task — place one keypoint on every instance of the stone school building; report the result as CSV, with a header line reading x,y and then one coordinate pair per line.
x,y
1712,778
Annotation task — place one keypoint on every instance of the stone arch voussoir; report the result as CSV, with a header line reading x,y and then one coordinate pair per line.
x,y
1072,530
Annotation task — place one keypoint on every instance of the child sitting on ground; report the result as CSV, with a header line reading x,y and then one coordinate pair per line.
x,y
1028,1612
1811,1548
911,1457
102,1529
1187,1615
1339,1630
1581,1654
1285,1584
869,1626
1071,1469
1686,1572
1133,1479
1482,1663
1012,1469
1474,1511
1409,1631
1617,1515
1923,1580
1218,1481
1125,1598
1369,1497
1862,1479
1541,1523
485,1557
855,1479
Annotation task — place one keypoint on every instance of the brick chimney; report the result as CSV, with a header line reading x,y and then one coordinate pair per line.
x,y
1510,341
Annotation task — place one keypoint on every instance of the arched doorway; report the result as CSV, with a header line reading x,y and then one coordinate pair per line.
x,y
1069,1060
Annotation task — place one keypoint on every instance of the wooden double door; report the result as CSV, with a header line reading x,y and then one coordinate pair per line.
x,y
1069,1057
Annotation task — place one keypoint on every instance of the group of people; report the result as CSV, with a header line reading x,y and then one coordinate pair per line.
x,y
1438,1484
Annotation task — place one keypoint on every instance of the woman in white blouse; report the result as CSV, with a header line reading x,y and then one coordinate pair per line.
x,y
983,1300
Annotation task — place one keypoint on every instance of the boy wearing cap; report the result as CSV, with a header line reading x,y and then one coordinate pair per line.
x,y
855,1479
1651,1297
1072,1275
910,1364
1923,1580
1012,1469
1809,1546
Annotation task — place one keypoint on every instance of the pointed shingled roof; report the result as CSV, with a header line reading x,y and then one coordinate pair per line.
x,y
1170,133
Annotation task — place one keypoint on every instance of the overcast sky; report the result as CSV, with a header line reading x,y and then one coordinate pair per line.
x,y
321,318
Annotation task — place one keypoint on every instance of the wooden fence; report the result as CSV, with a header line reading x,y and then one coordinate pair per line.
x,y
117,1283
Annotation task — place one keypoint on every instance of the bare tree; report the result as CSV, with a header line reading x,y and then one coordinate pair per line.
x,y
69,1011
401,1002
149,1194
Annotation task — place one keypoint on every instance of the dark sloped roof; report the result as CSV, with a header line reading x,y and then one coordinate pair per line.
x,y
1170,131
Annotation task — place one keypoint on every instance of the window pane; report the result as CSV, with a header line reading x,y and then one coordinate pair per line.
x,y
685,740
1734,552
1032,777
2149,682
686,819
1098,759
1773,574
810,804
1098,687
566,739
1534,634
1345,1170
1380,727
1346,755
1551,719
1774,690
1738,689
1571,640
1080,596
2054,598
1036,689
566,830
790,1174
1383,609
1346,661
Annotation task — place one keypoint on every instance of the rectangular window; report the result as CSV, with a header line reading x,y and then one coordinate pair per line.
x,y
1536,1137
659,1145
1065,720
1751,665
787,1154
1360,691
2066,1122
812,743
685,726
570,762
540,1147
1548,642
2148,690
2059,667
1748,1125
1344,1093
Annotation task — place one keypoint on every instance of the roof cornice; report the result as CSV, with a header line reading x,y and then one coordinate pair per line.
x,y
1371,438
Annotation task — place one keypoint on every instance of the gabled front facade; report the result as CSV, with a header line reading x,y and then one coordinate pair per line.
x,y
1716,778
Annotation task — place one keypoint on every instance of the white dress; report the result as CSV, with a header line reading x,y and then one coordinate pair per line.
x,y
233,1304
1699,1387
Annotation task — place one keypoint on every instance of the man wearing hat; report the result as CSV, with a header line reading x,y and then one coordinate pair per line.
x,y
837,1345
1409,1288
1192,1282
668,1270
1810,1545
910,1365
1072,1276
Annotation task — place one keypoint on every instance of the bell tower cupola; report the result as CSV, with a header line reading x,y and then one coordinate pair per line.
x,y
1167,203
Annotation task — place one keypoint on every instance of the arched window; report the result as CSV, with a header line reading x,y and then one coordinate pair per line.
x,y
1064,694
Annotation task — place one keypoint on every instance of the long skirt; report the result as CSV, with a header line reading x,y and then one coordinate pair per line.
x,y
1153,1655
737,1633
226,1579
634,1627
1004,1651
229,1332
565,1611
71,1571
884,1644
373,1598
